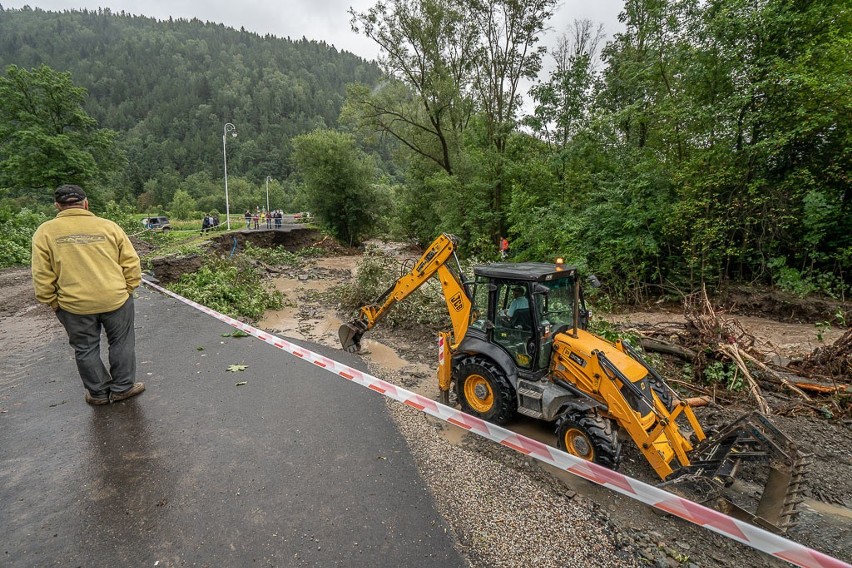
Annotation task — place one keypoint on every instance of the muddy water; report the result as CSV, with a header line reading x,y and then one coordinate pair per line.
x,y
382,355
291,322
321,324
838,511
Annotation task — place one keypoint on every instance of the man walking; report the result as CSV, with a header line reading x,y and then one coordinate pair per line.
x,y
86,269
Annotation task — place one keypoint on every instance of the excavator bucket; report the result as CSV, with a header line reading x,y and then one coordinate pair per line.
x,y
734,462
350,336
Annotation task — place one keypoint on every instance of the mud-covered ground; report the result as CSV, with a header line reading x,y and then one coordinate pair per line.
x,y
407,357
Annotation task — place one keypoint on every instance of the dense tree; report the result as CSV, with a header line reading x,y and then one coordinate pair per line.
x,y
712,145
46,137
183,205
447,59
721,128
338,182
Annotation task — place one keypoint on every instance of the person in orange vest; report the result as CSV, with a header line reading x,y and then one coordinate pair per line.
x,y
504,248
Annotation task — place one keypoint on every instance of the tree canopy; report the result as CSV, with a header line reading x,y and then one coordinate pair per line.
x,y
46,137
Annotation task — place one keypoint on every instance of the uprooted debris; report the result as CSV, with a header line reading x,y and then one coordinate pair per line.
x,y
832,362
709,336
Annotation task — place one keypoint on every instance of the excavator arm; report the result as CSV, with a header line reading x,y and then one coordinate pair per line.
x,y
434,261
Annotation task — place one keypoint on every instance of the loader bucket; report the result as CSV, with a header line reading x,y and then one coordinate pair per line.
x,y
751,446
350,337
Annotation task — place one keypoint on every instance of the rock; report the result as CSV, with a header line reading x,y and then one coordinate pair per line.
x,y
776,359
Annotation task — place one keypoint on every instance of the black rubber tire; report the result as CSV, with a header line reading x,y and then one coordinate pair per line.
x,y
663,392
599,433
502,404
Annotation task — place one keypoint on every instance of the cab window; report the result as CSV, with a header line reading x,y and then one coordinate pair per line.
x,y
513,328
479,301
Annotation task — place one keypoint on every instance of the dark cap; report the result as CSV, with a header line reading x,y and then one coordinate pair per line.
x,y
69,194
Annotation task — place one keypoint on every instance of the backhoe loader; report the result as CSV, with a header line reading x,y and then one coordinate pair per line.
x,y
519,344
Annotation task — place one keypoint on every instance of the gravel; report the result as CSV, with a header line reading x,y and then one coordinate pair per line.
x,y
504,511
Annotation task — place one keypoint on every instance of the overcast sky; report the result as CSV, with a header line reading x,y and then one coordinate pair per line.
x,y
326,20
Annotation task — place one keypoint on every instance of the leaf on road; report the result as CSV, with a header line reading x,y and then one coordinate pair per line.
x,y
236,333
241,383
237,368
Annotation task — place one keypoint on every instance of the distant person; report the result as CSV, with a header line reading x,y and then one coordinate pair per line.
x,y
269,220
248,219
504,248
86,269
254,219
205,224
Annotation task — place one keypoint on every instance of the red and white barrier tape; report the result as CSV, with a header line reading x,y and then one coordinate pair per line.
x,y
740,531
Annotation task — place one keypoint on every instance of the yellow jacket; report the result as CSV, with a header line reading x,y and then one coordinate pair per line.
x,y
83,264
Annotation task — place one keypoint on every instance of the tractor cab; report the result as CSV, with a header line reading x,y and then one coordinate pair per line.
x,y
521,306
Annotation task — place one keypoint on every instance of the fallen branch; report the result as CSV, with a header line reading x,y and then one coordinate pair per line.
x,y
776,376
690,386
734,353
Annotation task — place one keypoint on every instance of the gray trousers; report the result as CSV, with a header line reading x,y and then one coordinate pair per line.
x,y
84,335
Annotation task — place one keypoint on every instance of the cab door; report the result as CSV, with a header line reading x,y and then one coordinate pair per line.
x,y
514,328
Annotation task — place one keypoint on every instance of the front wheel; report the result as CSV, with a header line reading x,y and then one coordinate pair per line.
x,y
589,436
484,391
663,392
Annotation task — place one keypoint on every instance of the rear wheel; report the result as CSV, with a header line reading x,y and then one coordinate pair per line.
x,y
484,391
589,436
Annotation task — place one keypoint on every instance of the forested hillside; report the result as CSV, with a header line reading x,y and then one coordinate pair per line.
x,y
168,88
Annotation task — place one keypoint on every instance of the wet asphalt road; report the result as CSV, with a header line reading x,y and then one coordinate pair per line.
x,y
296,468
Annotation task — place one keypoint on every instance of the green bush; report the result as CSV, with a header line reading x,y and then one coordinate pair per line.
x,y
229,286
375,274
16,233
274,256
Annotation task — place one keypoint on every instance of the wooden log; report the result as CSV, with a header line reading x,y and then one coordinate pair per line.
x,y
823,389
660,346
697,401
775,375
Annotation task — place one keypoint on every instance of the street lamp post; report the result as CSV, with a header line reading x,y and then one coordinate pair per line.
x,y
267,194
233,130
